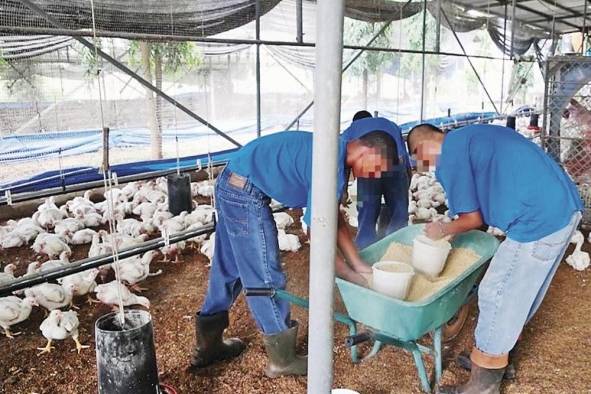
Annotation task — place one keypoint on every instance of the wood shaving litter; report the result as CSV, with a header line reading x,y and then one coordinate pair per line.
x,y
458,261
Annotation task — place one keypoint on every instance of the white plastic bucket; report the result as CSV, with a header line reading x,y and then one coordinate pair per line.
x,y
429,256
392,278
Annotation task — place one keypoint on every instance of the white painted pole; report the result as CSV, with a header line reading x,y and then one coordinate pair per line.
x,y
327,111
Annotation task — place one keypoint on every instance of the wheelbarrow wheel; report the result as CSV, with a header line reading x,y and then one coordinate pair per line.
x,y
453,327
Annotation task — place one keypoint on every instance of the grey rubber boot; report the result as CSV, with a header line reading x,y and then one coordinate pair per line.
x,y
281,350
482,381
211,345
465,362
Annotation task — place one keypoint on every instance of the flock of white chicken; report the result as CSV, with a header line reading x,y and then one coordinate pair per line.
x,y
139,210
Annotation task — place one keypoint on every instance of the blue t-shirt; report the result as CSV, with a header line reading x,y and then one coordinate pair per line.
x,y
280,165
509,179
364,126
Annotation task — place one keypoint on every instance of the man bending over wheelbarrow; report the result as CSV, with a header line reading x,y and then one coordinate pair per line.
x,y
493,175
246,252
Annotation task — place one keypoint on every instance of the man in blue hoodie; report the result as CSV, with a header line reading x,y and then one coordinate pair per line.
x,y
246,253
374,219
494,175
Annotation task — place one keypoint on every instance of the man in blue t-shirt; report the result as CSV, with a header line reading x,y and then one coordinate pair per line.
x,y
246,254
393,215
494,175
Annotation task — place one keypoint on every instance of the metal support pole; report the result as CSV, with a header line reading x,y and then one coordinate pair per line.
x,y
438,26
423,61
353,59
503,65
258,63
513,24
584,30
469,61
106,166
327,92
299,21
36,9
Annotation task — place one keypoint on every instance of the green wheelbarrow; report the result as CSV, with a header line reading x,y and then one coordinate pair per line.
x,y
394,322
401,323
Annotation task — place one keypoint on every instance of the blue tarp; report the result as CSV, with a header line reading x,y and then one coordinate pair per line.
x,y
50,143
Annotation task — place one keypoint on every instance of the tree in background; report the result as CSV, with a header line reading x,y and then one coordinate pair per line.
x,y
370,62
156,59
411,64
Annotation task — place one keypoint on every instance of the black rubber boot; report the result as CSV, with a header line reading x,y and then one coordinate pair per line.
x,y
510,372
281,350
482,381
211,345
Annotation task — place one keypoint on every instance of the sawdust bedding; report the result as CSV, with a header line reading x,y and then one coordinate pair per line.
x,y
458,261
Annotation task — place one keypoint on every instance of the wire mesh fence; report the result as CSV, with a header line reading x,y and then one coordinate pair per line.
x,y
567,122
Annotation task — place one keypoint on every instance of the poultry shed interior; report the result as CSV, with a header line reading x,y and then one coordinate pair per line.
x,y
117,119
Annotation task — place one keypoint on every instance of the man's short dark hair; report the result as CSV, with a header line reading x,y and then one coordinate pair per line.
x,y
382,140
423,127
361,115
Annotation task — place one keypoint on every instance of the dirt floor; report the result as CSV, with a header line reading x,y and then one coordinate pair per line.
x,y
555,356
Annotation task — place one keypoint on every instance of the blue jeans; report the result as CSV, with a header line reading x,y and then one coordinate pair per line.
x,y
515,285
394,188
246,253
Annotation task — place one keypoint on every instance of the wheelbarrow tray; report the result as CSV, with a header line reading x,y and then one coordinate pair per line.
x,y
408,321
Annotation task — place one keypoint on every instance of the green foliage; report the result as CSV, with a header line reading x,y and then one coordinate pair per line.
x,y
359,33
90,60
411,64
176,56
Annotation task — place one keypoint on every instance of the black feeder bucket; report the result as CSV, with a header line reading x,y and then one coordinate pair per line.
x,y
126,358
511,122
179,193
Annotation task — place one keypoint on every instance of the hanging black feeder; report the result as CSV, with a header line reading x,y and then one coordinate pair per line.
x,y
179,193
125,356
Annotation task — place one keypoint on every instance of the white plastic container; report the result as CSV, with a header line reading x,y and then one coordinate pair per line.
x,y
343,391
392,278
429,256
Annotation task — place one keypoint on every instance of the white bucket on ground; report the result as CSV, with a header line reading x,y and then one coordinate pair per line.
x,y
392,278
429,256
343,391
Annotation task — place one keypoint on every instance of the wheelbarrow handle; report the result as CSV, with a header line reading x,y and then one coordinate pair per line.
x,y
258,292
353,340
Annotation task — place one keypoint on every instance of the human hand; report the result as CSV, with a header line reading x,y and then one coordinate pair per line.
x,y
435,230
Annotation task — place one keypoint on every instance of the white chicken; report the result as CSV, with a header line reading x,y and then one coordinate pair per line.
x,y
51,296
47,218
108,294
27,230
52,264
282,220
14,310
83,282
288,242
59,326
135,269
202,214
83,236
208,247
92,219
50,245
12,240
67,227
49,203
579,260
173,250
8,275
131,227
174,225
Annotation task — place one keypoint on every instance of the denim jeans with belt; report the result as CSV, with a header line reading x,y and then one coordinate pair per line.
x,y
394,188
515,285
246,254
